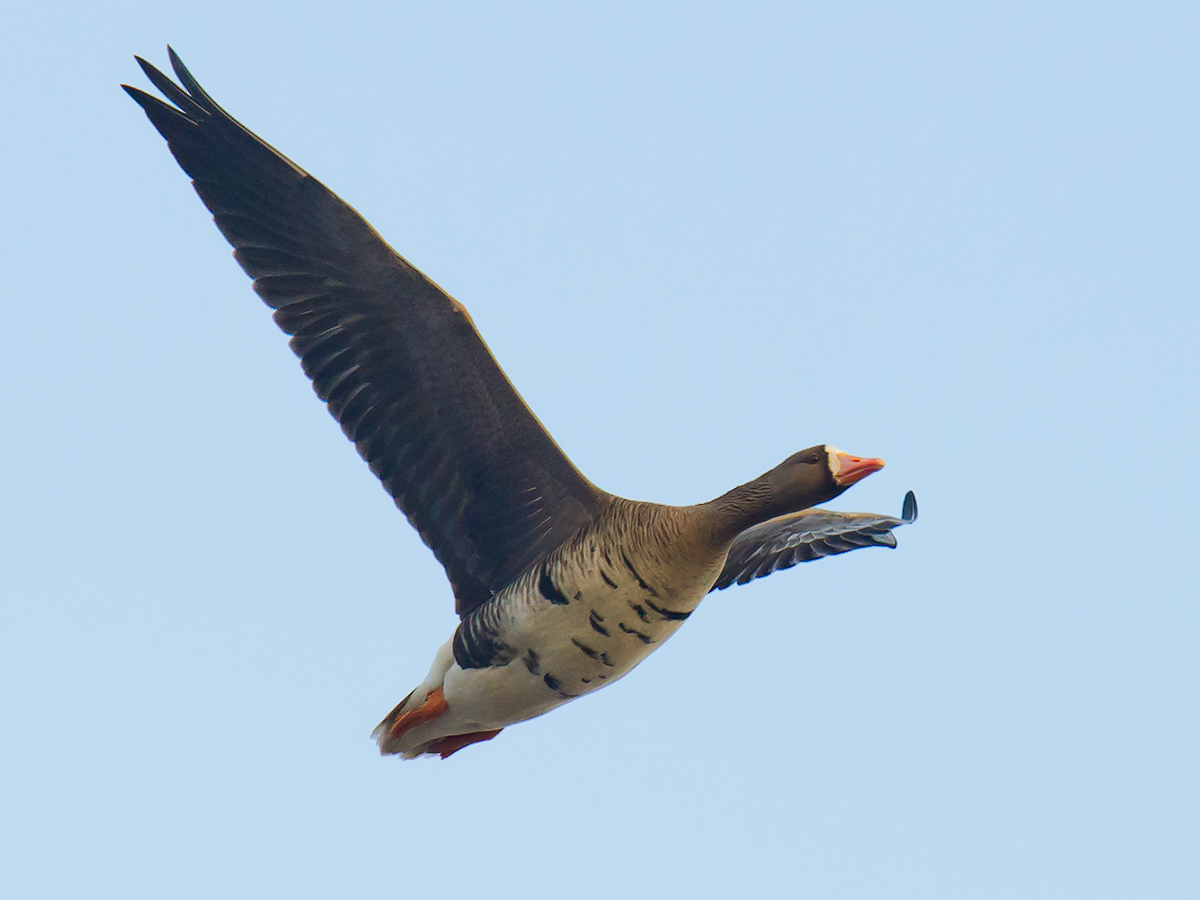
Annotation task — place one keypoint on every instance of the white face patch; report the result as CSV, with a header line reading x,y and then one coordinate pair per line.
x,y
833,460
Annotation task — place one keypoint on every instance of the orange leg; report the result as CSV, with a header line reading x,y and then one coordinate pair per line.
x,y
455,742
431,707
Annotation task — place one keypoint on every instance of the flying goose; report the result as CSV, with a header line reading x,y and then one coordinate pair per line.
x,y
562,588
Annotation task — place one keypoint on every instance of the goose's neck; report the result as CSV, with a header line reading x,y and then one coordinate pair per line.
x,y
743,507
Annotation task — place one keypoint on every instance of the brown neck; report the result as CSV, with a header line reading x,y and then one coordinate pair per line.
x,y
745,506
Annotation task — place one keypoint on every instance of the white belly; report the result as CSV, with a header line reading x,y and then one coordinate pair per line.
x,y
586,627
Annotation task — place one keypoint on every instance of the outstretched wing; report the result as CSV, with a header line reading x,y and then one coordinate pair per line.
x,y
807,535
397,360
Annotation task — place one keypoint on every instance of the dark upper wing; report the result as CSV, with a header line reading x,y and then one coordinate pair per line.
x,y
398,362
810,534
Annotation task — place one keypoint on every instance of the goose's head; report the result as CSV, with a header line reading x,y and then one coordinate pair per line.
x,y
816,475
803,480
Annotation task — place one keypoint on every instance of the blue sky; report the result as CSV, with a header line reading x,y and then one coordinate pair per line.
x,y
698,238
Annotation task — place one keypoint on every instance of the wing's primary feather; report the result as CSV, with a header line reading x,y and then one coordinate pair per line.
x,y
397,360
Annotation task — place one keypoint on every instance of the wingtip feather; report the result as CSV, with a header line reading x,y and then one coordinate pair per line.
x,y
177,64
196,92
145,66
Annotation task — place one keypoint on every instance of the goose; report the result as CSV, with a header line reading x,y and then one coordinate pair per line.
x,y
560,587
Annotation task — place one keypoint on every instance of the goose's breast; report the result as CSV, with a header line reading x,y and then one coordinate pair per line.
x,y
581,622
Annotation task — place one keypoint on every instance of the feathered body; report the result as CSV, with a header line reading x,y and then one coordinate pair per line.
x,y
596,607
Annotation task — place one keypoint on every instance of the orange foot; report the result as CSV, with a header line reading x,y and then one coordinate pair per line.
x,y
455,742
431,707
